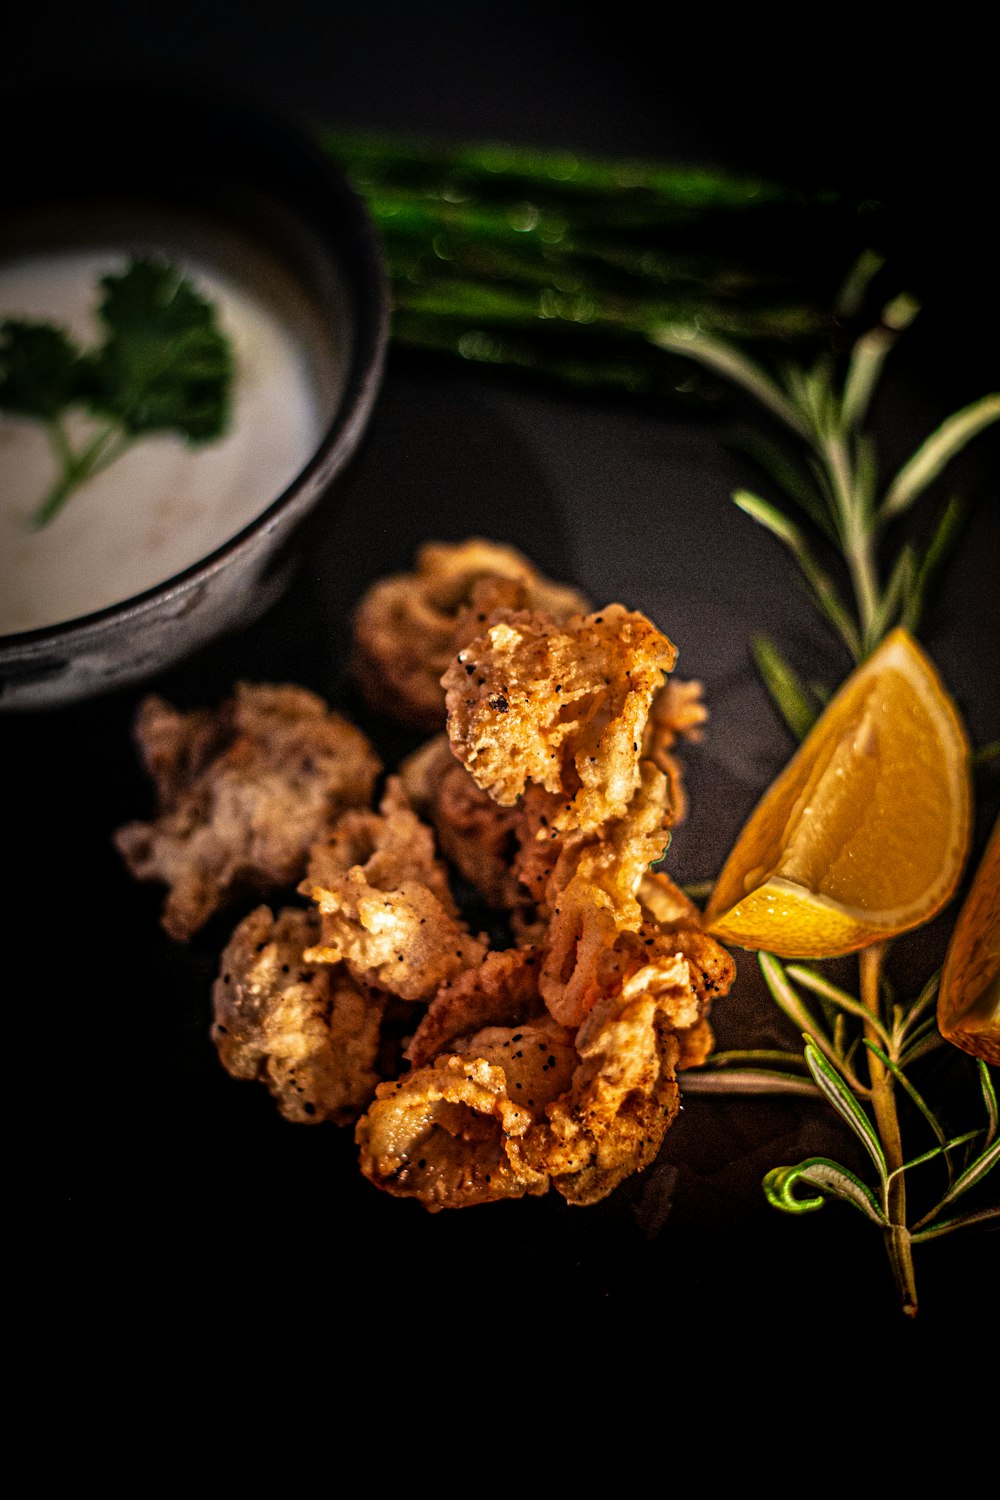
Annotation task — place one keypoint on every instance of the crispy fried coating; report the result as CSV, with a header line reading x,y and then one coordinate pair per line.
x,y
561,706
591,895
538,1060
624,1095
503,990
544,860
664,902
242,792
387,911
475,833
511,1109
486,1061
439,1134
616,861
584,928
677,712
408,626
393,845
588,933
306,1030
549,1064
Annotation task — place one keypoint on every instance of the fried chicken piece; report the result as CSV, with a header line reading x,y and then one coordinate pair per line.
x,y
624,1095
509,1109
503,990
386,907
434,1136
439,1134
678,711
664,902
561,706
538,1060
408,626
474,833
590,893
306,1030
242,794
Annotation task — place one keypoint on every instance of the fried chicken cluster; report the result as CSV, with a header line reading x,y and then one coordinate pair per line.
x,y
473,1071
408,626
242,794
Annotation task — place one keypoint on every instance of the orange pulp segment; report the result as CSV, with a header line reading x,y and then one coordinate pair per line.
x,y
969,993
865,832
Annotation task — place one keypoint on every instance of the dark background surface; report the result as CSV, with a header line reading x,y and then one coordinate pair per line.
x,y
148,1168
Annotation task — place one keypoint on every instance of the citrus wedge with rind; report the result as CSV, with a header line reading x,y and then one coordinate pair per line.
x,y
865,832
969,992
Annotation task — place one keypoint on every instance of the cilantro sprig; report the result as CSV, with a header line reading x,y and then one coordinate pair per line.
x,y
163,365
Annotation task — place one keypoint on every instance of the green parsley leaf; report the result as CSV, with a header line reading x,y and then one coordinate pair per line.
x,y
40,370
165,365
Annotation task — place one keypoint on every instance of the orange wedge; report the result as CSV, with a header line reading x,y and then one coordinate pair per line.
x,y
969,993
865,832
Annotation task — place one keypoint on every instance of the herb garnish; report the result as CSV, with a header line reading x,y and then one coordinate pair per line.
x,y
892,1034
164,365
836,490
837,494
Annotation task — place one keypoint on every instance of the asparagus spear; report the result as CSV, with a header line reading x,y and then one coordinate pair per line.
x,y
513,170
563,265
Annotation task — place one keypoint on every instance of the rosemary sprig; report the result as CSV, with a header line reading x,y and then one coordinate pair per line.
x,y
858,1051
825,407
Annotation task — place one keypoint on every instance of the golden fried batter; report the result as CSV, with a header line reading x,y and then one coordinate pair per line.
x,y
509,1109
440,1133
387,911
677,712
561,706
502,991
306,1030
409,625
474,833
552,1063
538,1060
392,845
242,794
665,903
624,1094
585,888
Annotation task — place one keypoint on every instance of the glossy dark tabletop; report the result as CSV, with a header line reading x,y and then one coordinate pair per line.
x,y
141,1152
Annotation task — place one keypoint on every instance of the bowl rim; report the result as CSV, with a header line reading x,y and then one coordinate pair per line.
x,y
369,300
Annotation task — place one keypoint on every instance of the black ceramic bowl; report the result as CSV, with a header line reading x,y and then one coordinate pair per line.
x,y
151,163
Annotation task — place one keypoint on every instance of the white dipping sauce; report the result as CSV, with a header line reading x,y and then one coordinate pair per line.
x,y
164,504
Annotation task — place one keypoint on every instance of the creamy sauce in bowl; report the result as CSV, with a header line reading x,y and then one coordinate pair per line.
x,y
165,504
